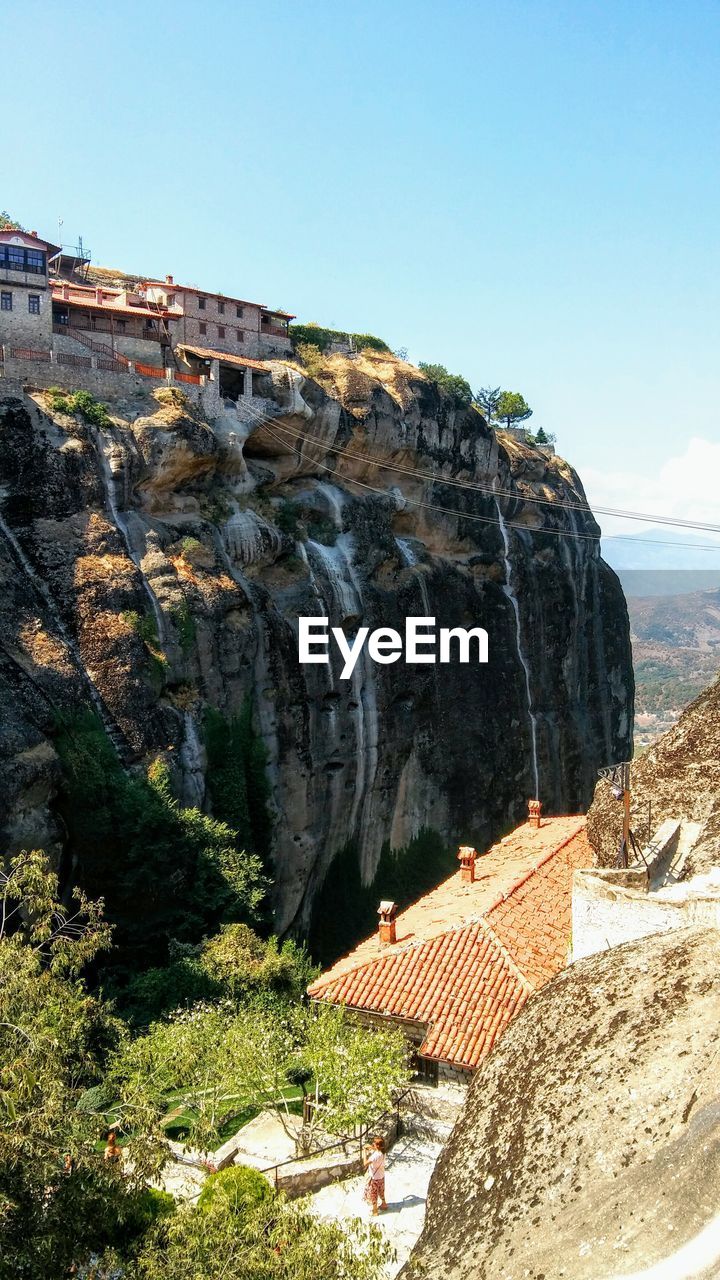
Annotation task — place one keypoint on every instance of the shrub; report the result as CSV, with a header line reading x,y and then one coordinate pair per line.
x,y
185,623
315,335
79,404
240,1188
453,384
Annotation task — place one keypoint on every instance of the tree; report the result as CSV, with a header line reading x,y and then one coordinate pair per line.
x,y
7,223
59,1200
488,399
165,872
512,407
271,1240
216,1062
453,384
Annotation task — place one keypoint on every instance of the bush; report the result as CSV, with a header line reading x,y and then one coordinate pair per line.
x,y
315,336
79,404
240,1188
452,384
185,624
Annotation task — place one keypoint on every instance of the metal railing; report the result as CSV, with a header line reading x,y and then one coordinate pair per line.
x,y
343,1143
27,353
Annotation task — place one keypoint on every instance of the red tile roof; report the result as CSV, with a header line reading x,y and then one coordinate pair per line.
x,y
468,956
211,353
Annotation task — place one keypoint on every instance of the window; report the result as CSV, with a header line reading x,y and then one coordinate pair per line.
x,y
201,304
221,331
35,261
15,258
34,304
240,335
239,312
203,328
221,308
5,301
171,299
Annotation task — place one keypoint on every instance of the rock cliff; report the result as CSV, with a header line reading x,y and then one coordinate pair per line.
x,y
677,777
157,565
589,1148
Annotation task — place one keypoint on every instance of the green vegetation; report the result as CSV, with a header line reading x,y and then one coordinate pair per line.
x,y
346,910
79,404
314,335
452,384
143,624
189,545
234,965
64,1208
237,778
165,873
512,408
185,625
7,223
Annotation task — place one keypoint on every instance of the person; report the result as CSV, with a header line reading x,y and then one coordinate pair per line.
x,y
374,1161
113,1153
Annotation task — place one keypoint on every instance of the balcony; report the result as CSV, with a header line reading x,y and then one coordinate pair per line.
x,y
104,325
273,331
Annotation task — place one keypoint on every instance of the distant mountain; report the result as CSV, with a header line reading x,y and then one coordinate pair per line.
x,y
676,653
664,562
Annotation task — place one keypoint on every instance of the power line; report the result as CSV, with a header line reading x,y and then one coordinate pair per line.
x,y
474,486
464,515
271,425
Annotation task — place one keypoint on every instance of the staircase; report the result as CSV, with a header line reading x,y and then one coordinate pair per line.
x,y
79,335
431,1111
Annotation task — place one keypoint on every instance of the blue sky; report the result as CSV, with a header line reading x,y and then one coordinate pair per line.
x,y
526,192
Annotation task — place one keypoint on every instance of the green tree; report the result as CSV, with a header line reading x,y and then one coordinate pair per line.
x,y
59,1200
487,399
237,776
273,1240
165,872
7,223
453,384
512,407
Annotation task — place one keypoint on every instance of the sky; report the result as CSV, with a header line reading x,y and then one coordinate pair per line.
x,y
526,192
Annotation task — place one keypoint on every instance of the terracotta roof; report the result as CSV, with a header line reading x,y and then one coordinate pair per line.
x,y
203,293
84,296
210,353
468,956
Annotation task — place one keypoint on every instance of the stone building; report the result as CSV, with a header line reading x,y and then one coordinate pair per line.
x,y
230,325
454,968
25,302
121,320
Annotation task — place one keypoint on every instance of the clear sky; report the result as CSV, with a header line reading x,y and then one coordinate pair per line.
x,y
526,191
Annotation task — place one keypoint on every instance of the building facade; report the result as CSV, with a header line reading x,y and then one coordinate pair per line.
x,y
230,325
25,297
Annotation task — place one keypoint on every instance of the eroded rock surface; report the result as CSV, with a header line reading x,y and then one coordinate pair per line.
x,y
158,565
589,1148
677,777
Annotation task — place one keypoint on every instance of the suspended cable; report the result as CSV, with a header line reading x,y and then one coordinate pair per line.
x,y
475,486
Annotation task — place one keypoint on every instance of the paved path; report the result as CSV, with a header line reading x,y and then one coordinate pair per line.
x,y
409,1166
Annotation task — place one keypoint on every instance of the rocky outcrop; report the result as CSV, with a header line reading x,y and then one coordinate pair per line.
x,y
589,1148
677,777
158,565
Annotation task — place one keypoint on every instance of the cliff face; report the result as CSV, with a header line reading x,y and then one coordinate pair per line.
x,y
216,538
677,777
590,1144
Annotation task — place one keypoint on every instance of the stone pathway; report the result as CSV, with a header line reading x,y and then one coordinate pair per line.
x,y
409,1166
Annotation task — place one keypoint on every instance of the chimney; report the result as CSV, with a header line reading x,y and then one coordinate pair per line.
x,y
169,280
387,912
466,858
34,233
534,811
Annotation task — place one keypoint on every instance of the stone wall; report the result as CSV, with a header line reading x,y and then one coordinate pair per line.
x,y
19,327
611,907
132,348
105,384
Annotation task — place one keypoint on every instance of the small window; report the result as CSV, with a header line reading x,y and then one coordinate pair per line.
x,y
171,300
221,331
221,308
34,304
203,328
5,301
240,335
201,304
239,312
